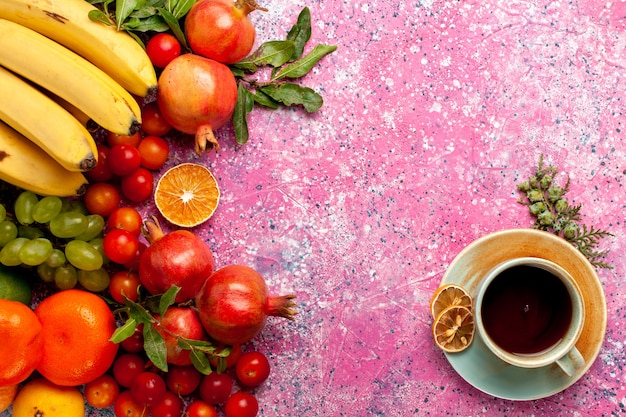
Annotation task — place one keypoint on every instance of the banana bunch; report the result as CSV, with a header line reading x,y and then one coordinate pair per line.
x,y
59,70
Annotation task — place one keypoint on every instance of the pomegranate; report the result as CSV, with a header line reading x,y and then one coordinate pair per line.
x,y
220,29
234,303
197,95
180,322
178,258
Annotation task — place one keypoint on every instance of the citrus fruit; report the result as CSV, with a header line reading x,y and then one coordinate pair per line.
x,y
22,341
187,194
453,329
7,394
13,286
449,295
76,328
40,397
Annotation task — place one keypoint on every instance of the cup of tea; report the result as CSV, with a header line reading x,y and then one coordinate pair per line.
x,y
530,313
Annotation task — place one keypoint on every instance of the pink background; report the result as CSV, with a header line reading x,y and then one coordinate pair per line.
x,y
434,110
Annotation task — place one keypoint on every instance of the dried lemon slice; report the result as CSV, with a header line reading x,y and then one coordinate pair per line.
x,y
449,295
453,329
187,194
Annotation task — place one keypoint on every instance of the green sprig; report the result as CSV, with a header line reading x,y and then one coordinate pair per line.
x,y
288,62
147,313
553,213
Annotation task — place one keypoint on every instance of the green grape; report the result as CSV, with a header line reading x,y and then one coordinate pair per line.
x,y
29,232
66,277
46,272
47,208
95,281
97,243
68,224
23,206
8,232
3,212
83,256
75,205
95,225
35,251
10,253
56,258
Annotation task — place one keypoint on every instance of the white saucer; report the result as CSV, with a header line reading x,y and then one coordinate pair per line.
x,y
477,365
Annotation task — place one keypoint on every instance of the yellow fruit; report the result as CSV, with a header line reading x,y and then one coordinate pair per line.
x,y
449,295
41,397
7,394
187,194
453,329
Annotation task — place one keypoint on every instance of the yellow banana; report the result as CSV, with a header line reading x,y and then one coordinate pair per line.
x,y
85,120
27,166
67,22
68,75
44,122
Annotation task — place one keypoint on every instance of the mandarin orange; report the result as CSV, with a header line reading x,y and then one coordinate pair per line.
x,y
22,341
76,327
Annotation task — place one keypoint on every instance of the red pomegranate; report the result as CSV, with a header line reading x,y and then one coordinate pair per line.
x,y
221,29
197,95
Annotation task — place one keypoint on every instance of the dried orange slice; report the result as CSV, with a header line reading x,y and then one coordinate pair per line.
x,y
187,194
449,295
453,329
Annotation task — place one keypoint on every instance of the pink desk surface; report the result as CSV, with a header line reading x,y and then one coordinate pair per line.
x,y
434,110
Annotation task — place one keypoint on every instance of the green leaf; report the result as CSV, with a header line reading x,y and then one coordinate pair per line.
x,y
173,23
201,362
168,298
293,94
181,8
144,13
264,100
244,105
138,312
300,33
301,67
237,72
221,364
123,9
125,331
154,345
100,17
274,53
154,23
191,344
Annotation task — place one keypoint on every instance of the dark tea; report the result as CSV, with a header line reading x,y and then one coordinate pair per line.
x,y
526,309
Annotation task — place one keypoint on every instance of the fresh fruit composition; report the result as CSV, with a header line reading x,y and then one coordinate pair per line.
x,y
99,307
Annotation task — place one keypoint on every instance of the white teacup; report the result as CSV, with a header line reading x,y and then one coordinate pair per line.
x,y
530,313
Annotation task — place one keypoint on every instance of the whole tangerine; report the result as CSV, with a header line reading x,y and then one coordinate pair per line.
x,y
76,328
22,341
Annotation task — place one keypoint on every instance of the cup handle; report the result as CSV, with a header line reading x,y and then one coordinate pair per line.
x,y
572,361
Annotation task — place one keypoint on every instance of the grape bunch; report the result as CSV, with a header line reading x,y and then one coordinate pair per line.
x,y
57,237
